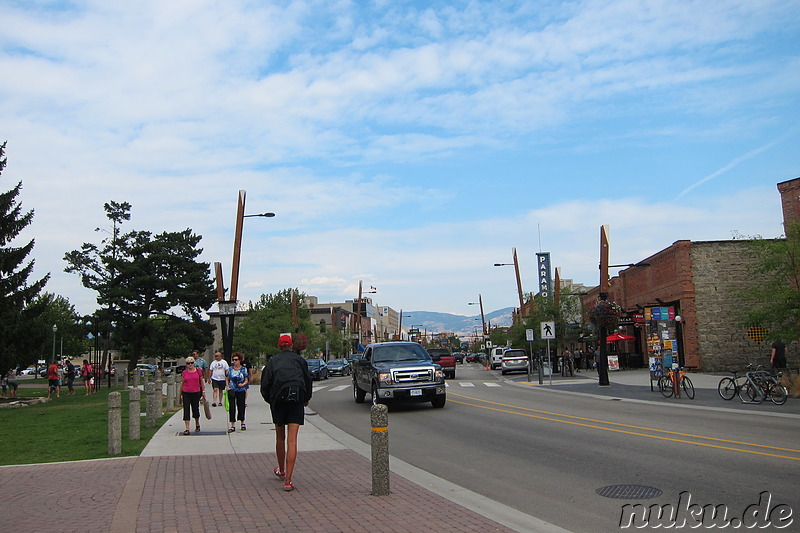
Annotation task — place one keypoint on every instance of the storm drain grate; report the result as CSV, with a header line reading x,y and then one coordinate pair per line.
x,y
629,492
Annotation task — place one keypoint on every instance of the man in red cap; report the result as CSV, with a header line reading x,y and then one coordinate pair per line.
x,y
286,386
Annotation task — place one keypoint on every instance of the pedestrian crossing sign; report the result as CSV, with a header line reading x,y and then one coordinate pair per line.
x,y
548,330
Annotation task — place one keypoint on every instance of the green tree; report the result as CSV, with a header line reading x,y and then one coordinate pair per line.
x,y
773,297
138,276
17,296
256,335
70,336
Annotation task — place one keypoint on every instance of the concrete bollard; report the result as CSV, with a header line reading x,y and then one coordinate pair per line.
x,y
170,393
136,375
153,403
134,408
114,423
379,417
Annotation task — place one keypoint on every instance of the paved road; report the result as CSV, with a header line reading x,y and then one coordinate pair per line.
x,y
546,450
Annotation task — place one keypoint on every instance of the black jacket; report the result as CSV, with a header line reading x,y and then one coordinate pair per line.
x,y
284,369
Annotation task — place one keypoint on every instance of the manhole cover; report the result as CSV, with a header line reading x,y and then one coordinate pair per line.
x,y
629,492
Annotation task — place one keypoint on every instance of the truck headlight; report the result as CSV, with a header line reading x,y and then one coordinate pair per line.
x,y
439,376
385,377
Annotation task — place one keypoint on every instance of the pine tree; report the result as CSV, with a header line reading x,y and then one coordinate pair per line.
x,y
16,294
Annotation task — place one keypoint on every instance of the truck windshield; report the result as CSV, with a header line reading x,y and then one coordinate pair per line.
x,y
391,354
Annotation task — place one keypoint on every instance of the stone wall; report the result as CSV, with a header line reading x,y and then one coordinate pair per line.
x,y
721,269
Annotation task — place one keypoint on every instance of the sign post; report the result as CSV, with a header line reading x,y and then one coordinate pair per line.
x,y
548,332
529,338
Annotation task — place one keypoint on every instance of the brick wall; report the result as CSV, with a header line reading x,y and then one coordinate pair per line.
x,y
790,200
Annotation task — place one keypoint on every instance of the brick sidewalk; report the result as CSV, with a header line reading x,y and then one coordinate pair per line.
x,y
232,492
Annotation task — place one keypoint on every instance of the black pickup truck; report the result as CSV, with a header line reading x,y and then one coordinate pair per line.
x,y
398,371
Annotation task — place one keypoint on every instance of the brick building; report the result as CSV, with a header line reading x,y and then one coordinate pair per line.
x,y
698,283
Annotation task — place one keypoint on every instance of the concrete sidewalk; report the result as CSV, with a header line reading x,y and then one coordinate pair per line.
x,y
220,481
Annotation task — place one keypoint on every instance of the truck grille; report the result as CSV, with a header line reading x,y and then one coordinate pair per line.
x,y
407,375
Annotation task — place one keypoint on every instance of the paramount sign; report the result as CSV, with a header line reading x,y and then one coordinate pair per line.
x,y
545,278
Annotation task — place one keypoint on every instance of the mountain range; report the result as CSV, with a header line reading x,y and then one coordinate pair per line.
x,y
461,325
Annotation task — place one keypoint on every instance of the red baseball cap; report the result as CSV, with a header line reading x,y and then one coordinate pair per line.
x,y
285,339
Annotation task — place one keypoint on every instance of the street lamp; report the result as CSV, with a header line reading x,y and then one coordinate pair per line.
x,y
55,329
227,308
605,286
515,264
483,319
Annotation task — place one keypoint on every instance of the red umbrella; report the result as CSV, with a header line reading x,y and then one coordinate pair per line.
x,y
619,337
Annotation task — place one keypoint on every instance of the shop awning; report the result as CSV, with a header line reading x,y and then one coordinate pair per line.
x,y
619,337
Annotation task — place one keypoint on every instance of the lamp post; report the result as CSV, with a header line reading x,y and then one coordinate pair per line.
x,y
515,264
55,329
359,339
227,308
605,286
400,324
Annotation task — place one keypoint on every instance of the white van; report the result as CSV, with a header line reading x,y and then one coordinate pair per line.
x,y
496,356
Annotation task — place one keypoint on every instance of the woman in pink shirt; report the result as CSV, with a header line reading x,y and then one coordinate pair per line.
x,y
193,387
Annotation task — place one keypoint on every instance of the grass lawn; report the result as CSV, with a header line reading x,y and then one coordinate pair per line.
x,y
69,428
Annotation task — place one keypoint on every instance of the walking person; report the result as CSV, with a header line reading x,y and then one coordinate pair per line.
x,y
13,382
86,376
200,364
219,374
286,386
54,384
70,373
778,356
238,378
193,387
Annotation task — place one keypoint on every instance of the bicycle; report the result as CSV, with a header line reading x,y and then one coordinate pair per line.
x,y
762,385
673,382
729,387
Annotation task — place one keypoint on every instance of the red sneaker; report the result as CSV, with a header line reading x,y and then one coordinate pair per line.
x,y
288,486
278,472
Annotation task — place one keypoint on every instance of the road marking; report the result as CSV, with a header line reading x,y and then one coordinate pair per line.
x,y
340,387
490,384
635,433
316,388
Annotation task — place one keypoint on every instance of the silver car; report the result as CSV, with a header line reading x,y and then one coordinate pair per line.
x,y
514,361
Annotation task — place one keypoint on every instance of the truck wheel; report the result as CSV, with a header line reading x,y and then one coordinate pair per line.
x,y
358,394
438,402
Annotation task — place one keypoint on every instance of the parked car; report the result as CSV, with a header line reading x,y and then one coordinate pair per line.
x,y
30,371
514,361
473,357
443,358
459,357
318,369
339,367
146,369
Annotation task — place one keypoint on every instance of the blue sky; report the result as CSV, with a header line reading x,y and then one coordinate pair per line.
x,y
410,145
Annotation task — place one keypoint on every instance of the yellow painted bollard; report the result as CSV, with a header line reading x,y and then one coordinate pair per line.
x,y
379,417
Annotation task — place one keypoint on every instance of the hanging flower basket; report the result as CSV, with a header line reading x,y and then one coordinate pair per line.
x,y
605,314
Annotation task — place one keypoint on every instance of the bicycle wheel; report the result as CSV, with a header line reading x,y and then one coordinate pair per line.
x,y
777,393
688,388
665,386
727,388
748,393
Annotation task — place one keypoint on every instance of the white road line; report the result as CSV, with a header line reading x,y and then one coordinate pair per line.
x,y
466,384
491,384
316,388
340,387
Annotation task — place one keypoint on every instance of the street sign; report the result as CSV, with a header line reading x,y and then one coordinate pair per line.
x,y
548,330
529,335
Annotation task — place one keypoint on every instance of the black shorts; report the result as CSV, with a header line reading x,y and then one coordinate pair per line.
x,y
217,384
54,383
287,413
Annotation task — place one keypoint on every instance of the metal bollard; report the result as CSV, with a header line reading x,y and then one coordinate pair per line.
x,y
379,417
134,408
153,403
114,423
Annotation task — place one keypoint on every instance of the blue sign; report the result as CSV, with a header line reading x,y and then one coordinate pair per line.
x,y
545,278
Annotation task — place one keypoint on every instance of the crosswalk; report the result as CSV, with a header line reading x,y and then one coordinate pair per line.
x,y
448,384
